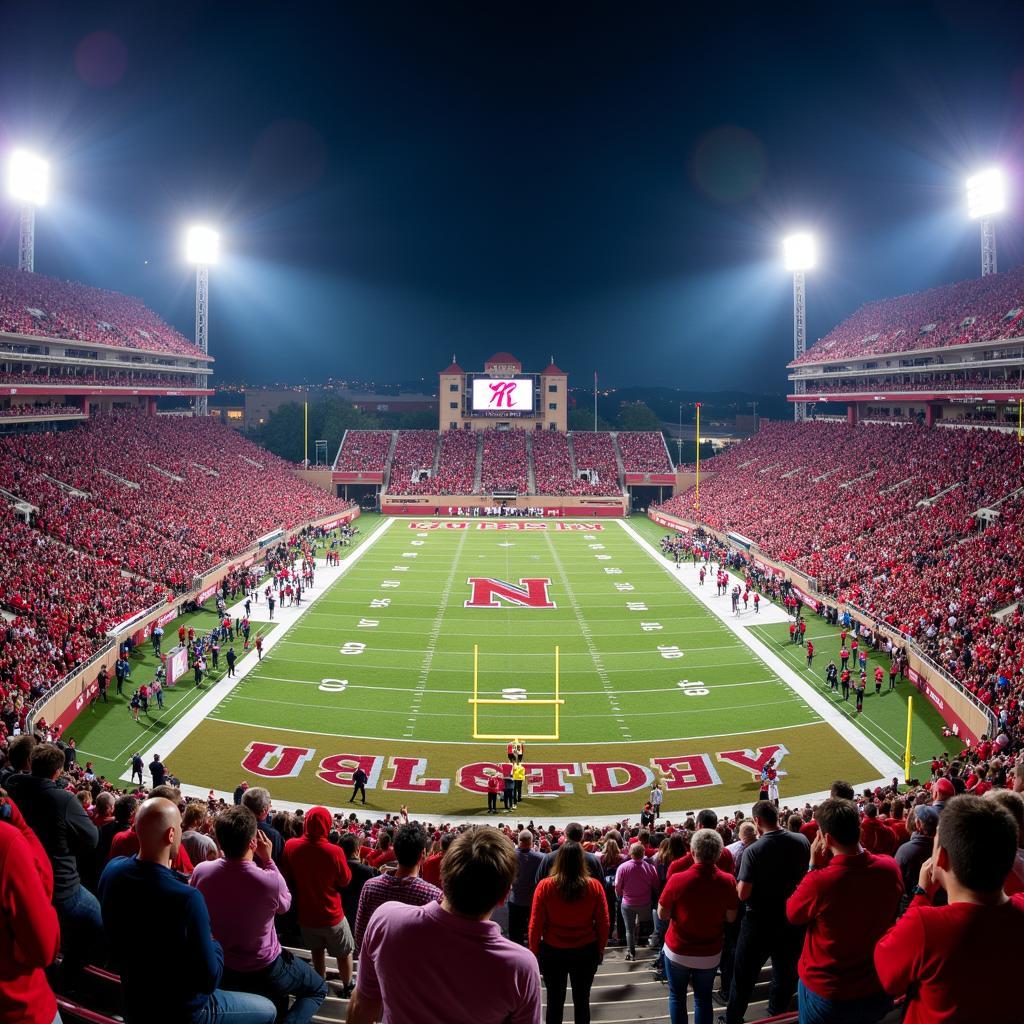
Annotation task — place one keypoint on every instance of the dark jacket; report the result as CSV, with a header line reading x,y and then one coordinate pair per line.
x,y
276,841
150,911
361,874
63,827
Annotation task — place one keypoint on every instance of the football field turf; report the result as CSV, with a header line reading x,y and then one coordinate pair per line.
x,y
378,670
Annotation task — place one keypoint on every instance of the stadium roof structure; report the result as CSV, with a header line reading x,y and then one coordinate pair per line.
x,y
36,306
503,359
551,370
453,367
967,312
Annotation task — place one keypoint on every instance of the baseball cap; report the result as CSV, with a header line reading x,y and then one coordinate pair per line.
x,y
943,789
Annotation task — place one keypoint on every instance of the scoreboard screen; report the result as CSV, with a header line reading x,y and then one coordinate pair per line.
x,y
494,396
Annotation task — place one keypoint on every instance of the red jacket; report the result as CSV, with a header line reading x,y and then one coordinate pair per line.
x,y
876,838
847,906
569,925
316,872
29,933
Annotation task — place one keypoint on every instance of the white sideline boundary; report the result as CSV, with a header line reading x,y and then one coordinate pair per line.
x,y
326,576
857,739
769,613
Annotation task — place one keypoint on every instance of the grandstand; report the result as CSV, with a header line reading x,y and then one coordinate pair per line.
x,y
68,351
950,356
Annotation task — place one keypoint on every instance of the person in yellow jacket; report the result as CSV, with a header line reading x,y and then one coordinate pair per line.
x,y
518,778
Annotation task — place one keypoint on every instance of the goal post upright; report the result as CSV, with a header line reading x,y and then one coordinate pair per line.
x,y
476,701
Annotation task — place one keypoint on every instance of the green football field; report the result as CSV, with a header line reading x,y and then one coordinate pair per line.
x,y
379,671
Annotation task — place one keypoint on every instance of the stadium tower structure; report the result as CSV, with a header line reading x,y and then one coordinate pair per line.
x,y
949,356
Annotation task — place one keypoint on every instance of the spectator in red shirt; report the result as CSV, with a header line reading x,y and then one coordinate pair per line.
x,y
847,906
697,903
30,937
317,871
943,956
705,819
569,932
1014,803
874,836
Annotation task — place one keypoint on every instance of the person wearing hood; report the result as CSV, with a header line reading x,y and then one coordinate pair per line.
x,y
316,871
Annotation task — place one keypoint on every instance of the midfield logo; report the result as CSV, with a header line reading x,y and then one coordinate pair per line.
x,y
529,593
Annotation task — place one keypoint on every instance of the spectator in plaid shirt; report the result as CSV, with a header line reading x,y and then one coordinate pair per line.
x,y
404,886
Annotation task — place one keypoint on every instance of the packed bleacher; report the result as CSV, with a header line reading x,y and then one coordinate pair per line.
x,y
414,452
39,306
40,409
595,451
874,906
456,466
978,309
76,377
504,466
916,382
364,451
843,506
166,498
643,452
552,464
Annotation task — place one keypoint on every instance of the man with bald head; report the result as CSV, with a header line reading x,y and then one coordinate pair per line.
x,y
150,913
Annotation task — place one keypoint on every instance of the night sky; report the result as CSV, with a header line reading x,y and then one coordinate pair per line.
x,y
605,183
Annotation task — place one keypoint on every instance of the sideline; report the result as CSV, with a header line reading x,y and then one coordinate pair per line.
x,y
857,739
326,577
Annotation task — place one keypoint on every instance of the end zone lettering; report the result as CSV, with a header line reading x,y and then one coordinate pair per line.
x,y
407,774
514,524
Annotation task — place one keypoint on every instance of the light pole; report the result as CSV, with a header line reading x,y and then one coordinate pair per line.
x,y
679,437
202,247
28,184
986,196
800,252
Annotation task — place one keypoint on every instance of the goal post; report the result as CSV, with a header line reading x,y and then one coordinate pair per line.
x,y
477,702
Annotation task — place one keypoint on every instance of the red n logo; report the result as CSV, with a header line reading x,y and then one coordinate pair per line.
x,y
529,593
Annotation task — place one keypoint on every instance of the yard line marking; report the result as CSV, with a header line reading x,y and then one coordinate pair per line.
x,y
433,637
878,758
595,654
212,698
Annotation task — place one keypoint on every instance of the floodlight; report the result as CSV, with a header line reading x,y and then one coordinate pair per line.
x,y
800,251
986,193
202,245
28,178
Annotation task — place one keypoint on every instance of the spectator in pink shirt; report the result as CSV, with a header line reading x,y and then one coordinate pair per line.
x,y
476,975
244,892
636,886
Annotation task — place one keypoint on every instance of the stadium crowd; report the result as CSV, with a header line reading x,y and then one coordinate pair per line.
x,y
364,451
977,309
596,451
643,452
504,466
858,901
40,409
414,452
40,306
918,382
75,377
844,507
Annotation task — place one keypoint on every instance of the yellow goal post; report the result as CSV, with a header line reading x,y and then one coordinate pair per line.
x,y
476,701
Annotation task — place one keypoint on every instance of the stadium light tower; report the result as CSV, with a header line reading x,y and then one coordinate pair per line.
x,y
202,247
800,252
986,196
28,184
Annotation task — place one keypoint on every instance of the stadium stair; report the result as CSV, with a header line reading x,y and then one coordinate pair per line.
x,y
340,447
387,461
479,464
531,480
572,454
437,454
618,460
